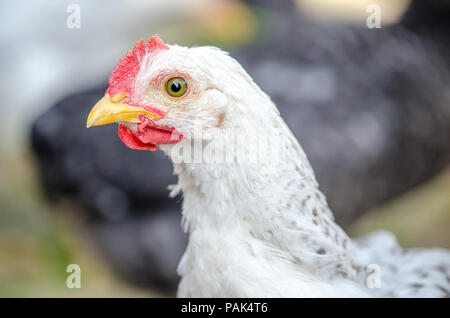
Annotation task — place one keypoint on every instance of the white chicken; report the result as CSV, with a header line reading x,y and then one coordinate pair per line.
x,y
258,227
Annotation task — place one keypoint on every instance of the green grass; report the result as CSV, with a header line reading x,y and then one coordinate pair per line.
x,y
419,218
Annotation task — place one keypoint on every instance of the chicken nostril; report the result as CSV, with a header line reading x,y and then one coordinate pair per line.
x,y
119,97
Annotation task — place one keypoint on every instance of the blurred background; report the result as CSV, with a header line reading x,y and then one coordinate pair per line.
x,y
371,107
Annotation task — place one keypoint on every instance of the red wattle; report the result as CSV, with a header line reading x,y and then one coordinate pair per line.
x,y
131,141
148,135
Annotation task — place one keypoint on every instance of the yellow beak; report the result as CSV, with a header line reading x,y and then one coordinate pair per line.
x,y
110,110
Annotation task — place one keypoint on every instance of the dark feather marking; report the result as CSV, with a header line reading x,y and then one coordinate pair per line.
x,y
442,269
444,290
321,251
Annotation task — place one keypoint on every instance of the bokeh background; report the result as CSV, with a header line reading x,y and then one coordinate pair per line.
x,y
370,106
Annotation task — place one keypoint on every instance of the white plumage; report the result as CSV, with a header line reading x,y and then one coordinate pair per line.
x,y
264,229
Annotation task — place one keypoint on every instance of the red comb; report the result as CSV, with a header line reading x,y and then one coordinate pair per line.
x,y
122,76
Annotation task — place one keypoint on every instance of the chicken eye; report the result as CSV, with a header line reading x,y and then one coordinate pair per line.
x,y
176,86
